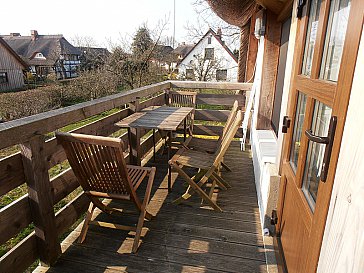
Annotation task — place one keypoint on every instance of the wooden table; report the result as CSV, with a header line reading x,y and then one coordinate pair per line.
x,y
163,118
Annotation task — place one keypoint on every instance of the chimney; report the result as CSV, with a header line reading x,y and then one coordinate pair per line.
x,y
15,34
219,33
34,34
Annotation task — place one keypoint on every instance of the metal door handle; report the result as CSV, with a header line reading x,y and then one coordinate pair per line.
x,y
318,139
328,141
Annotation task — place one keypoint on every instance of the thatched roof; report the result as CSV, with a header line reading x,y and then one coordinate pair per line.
x,y
234,12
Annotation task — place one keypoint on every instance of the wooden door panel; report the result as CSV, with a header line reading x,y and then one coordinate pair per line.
x,y
294,231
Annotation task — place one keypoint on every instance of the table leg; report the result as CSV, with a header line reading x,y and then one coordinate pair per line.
x,y
154,145
135,150
169,157
184,129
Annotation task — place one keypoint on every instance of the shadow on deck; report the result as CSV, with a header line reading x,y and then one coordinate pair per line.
x,y
181,238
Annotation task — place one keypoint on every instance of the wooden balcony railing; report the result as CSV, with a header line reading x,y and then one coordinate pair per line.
x,y
37,155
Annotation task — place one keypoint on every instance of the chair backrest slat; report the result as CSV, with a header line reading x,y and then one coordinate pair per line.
x,y
229,121
182,98
225,143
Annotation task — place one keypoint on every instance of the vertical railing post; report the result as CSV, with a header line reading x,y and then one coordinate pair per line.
x,y
166,95
134,136
40,198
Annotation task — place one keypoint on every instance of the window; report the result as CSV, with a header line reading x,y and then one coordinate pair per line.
x,y
209,40
39,56
3,77
209,53
221,74
190,75
311,37
335,37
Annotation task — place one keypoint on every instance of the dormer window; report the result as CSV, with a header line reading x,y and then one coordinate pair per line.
x,y
39,55
209,40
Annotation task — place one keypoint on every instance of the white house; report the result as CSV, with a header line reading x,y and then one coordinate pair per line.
x,y
209,60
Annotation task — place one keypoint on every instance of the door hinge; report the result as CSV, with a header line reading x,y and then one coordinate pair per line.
x,y
274,217
286,124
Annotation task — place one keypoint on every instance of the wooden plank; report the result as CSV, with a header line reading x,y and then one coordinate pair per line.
x,y
158,100
20,257
103,127
220,99
71,212
70,266
11,173
211,130
147,144
21,130
17,216
189,252
40,197
63,184
270,70
128,262
211,85
211,115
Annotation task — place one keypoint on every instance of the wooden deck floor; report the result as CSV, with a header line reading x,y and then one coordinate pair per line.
x,y
181,238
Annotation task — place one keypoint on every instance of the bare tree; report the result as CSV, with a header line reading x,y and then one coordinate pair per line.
x,y
203,69
135,62
208,19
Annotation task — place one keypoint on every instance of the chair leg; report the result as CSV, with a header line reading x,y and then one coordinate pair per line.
x,y
213,185
196,187
153,145
100,205
86,222
199,177
221,180
226,167
138,230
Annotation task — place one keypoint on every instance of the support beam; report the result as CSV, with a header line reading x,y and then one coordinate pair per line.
x,y
40,197
270,70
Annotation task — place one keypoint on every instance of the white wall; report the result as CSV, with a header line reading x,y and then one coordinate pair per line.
x,y
225,59
343,242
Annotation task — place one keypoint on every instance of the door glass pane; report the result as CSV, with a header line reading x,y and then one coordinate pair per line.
x,y
315,154
311,37
334,40
297,130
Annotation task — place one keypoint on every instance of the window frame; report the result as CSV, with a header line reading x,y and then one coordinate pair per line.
x,y
209,53
4,79
221,71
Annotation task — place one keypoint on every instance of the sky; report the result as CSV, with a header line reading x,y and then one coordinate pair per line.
x,y
107,20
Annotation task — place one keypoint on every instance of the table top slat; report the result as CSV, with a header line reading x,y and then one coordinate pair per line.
x,y
156,117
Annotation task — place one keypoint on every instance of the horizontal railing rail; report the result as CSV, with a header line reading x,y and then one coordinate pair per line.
x,y
38,156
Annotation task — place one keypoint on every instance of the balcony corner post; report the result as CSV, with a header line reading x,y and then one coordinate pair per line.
x,y
41,199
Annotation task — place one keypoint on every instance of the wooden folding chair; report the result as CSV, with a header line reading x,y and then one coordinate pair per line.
x,y
208,165
99,165
210,145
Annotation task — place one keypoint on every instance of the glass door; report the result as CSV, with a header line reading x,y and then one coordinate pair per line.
x,y
323,72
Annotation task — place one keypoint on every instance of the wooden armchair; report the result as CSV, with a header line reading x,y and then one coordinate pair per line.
x,y
208,165
99,165
183,99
